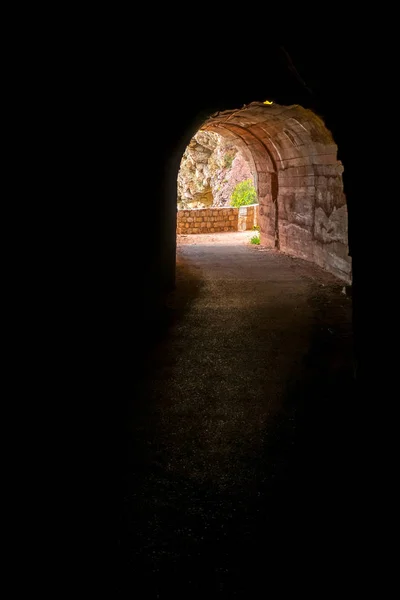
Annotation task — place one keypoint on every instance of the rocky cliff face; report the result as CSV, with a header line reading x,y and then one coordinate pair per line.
x,y
210,169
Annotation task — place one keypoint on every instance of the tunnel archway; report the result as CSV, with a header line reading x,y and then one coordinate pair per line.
x,y
298,176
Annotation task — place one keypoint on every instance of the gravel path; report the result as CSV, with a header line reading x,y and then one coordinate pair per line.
x,y
235,444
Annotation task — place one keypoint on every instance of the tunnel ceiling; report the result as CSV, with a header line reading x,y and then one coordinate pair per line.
x,y
286,133
298,178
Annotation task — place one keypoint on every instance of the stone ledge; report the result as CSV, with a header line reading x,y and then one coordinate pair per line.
x,y
217,219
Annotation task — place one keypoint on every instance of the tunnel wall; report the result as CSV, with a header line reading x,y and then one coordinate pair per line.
x,y
303,208
312,210
313,216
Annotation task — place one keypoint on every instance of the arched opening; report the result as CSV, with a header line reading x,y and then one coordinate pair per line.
x,y
257,366
302,205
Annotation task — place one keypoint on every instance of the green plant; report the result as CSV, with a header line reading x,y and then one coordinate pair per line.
x,y
244,194
255,239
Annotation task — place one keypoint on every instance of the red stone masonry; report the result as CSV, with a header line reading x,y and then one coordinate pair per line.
x,y
217,219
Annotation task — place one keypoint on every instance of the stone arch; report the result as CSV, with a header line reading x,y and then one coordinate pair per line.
x,y
299,180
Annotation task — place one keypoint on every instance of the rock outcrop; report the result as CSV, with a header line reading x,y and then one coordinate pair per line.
x,y
210,169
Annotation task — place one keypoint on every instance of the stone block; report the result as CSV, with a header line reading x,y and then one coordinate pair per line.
x,y
296,240
267,240
263,177
296,182
324,159
331,170
299,161
304,171
331,228
334,258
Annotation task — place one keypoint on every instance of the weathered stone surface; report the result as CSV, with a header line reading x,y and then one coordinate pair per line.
x,y
288,181
210,169
204,198
225,219
288,162
299,181
330,193
332,228
297,207
334,170
324,159
296,240
267,220
299,171
267,240
334,258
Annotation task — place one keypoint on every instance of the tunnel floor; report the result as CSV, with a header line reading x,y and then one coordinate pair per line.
x,y
236,444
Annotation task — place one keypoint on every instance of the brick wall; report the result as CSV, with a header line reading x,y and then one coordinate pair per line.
x,y
217,219
248,217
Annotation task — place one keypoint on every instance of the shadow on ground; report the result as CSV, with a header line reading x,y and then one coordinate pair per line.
x,y
237,446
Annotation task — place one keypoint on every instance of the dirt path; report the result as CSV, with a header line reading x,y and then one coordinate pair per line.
x,y
231,239
234,461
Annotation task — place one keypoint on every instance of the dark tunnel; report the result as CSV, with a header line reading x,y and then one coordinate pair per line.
x,y
311,149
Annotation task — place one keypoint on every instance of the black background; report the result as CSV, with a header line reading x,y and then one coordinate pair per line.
x,y
131,91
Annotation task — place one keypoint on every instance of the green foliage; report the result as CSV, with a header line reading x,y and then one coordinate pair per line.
x,y
244,194
255,239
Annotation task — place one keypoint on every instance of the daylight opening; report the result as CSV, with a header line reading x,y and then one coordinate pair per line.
x,y
272,168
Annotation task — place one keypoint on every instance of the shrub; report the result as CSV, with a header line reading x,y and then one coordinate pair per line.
x,y
255,239
244,194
